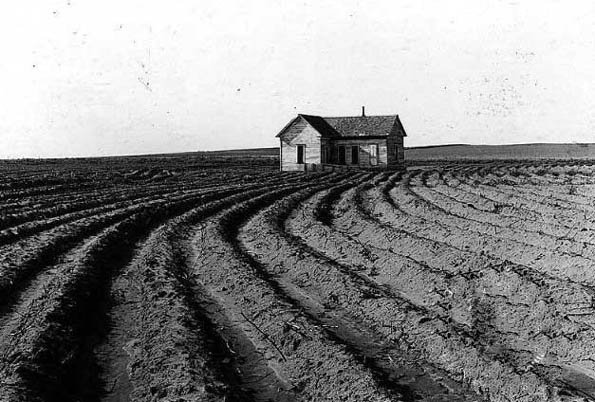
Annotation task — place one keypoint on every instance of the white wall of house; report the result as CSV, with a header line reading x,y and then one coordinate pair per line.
x,y
300,133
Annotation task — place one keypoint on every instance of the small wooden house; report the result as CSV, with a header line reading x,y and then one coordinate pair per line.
x,y
313,142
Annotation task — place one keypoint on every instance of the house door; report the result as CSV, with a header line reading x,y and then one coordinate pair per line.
x,y
300,153
355,154
374,154
341,154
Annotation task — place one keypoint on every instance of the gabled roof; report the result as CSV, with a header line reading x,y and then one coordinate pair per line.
x,y
362,125
352,126
321,125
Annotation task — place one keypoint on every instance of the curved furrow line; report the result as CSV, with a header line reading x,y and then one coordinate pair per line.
x,y
46,209
45,337
294,345
418,217
384,216
210,177
466,203
463,190
419,287
451,180
474,208
40,224
498,307
563,195
575,299
545,174
158,323
28,190
32,227
552,177
533,210
21,261
345,298
430,206
97,197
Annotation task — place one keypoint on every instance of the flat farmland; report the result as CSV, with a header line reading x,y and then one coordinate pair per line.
x,y
215,277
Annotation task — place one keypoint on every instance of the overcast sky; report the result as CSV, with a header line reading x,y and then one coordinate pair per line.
x,y
113,77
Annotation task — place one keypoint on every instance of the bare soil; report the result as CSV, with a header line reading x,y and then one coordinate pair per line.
x,y
222,279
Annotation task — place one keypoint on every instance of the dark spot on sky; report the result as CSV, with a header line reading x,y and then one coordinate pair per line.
x,y
238,89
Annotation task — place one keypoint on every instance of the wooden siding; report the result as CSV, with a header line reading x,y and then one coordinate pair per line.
x,y
364,151
320,150
396,152
300,133
401,150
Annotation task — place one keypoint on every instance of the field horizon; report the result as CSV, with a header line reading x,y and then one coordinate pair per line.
x,y
529,151
215,276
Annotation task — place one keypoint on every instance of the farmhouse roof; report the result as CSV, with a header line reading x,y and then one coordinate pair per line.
x,y
350,126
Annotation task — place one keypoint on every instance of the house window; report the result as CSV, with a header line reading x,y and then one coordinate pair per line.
x,y
374,154
301,149
354,154
341,154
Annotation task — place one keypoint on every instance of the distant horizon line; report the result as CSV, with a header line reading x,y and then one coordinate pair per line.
x,y
169,154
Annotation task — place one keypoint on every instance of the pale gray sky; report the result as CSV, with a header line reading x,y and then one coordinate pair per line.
x,y
140,76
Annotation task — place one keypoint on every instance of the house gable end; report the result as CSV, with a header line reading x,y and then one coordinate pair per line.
x,y
299,129
398,128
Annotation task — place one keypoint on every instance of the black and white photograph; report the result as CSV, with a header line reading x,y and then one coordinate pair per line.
x,y
297,201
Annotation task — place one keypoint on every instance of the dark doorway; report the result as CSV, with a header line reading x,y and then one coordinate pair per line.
x,y
355,154
300,153
341,154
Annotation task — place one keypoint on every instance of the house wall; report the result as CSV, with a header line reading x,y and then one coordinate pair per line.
x,y
364,151
401,150
300,133
396,151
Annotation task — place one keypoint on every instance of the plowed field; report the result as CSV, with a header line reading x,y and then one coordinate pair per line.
x,y
196,281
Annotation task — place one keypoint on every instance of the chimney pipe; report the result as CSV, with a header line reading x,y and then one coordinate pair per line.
x,y
363,111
